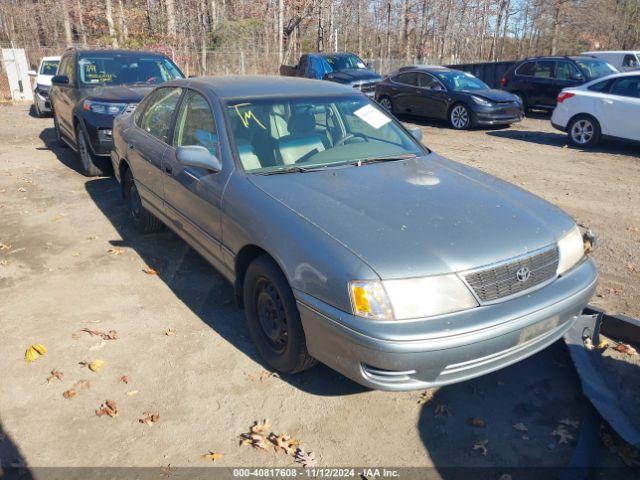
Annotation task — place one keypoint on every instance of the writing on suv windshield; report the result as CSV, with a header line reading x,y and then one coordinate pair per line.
x,y
104,70
294,135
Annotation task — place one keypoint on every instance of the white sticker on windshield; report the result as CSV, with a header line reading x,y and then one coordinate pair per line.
x,y
372,116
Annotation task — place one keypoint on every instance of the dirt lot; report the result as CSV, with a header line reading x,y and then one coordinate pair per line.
x,y
73,261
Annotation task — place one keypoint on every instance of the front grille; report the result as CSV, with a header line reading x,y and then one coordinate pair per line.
x,y
498,281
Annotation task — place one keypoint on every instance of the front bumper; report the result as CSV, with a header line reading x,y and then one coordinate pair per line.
x,y
411,355
498,114
44,104
100,135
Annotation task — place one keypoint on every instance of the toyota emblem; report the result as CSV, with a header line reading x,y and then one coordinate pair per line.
x,y
523,274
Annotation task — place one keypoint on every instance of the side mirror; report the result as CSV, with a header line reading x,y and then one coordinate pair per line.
x,y
197,156
416,133
32,73
60,80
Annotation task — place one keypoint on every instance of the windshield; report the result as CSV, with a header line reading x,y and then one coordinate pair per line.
x,y
458,81
344,62
49,67
126,70
278,134
595,68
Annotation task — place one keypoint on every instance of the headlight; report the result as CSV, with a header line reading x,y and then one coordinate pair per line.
x,y
42,88
481,101
411,298
571,250
106,108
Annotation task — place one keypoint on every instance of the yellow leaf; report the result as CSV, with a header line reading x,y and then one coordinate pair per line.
x,y
96,365
169,331
131,393
34,352
213,456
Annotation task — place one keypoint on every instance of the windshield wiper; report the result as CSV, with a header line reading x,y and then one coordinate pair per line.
x,y
388,158
290,169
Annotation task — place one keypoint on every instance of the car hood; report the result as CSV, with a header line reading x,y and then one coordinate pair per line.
x,y
353,76
493,95
118,93
423,216
44,80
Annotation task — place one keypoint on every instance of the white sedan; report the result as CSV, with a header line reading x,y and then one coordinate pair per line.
x,y
608,107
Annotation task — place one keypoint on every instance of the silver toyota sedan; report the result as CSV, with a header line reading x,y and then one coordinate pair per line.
x,y
347,241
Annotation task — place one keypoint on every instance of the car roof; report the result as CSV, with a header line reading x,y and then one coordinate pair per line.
x,y
256,86
116,52
425,68
50,58
559,57
595,52
334,54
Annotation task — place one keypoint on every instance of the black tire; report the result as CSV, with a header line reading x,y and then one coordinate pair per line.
x,y
460,117
56,126
90,164
36,107
144,221
386,103
273,318
584,131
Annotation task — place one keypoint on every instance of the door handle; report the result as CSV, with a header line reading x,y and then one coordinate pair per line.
x,y
168,169
608,102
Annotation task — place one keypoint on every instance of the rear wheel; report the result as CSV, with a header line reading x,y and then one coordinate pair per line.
x,y
143,220
460,117
385,102
584,131
92,166
273,317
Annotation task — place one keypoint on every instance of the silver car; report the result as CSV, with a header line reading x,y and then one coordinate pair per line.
x,y
347,241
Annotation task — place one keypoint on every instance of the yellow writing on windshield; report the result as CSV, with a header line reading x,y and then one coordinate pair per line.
x,y
246,117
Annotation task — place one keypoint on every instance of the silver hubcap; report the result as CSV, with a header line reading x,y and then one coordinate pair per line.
x,y
459,117
582,131
386,103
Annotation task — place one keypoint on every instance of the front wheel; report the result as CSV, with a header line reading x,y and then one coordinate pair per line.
x,y
273,318
460,117
90,164
584,131
143,220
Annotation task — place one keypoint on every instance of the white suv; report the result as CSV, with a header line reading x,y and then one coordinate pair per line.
x,y
46,71
608,107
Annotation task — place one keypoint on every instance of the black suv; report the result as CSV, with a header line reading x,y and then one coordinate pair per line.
x,y
91,88
539,80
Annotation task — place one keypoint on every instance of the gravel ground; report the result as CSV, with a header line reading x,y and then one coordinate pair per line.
x,y
73,261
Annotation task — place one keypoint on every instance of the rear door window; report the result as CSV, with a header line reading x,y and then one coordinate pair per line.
x,y
526,69
626,87
602,86
544,69
567,71
409,78
630,60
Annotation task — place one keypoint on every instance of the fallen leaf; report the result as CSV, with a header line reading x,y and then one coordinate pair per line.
x,y
34,352
426,397
94,365
55,374
263,375
4,246
260,427
563,434
482,446
124,379
110,335
625,348
255,440
306,459
108,408
149,418
131,393
97,346
284,442
213,456
632,228
520,427
169,331
22,189
602,345
79,385
115,251
442,410
477,422
570,423
149,271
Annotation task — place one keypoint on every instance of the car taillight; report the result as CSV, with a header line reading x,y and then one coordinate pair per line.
x,y
564,95
503,82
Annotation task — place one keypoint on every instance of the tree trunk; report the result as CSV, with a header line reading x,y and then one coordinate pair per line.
x,y
171,17
81,28
112,31
281,31
64,9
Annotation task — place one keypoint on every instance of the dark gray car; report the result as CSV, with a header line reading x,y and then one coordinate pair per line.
x,y
346,240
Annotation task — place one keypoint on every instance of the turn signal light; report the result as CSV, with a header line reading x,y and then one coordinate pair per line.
x,y
564,96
